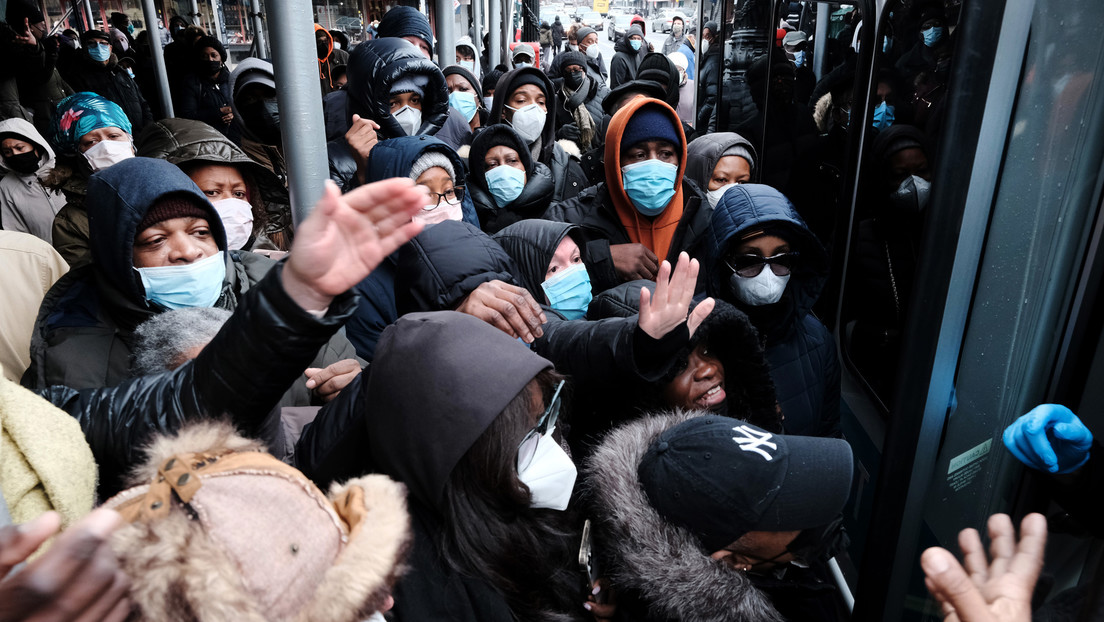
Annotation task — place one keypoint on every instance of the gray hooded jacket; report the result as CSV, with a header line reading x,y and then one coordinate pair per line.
x,y
25,204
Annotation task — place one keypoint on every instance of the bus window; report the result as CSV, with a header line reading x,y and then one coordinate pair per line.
x,y
905,112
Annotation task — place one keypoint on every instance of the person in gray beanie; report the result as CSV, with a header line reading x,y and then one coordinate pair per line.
x,y
718,161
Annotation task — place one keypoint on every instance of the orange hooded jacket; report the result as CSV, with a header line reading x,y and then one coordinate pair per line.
x,y
324,62
658,232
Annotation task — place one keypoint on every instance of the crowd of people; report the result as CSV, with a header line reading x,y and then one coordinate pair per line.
x,y
543,351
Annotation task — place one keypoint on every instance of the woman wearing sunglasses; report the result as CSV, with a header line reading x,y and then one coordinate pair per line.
x,y
766,262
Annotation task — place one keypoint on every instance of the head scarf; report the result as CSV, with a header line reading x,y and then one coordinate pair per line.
x,y
79,114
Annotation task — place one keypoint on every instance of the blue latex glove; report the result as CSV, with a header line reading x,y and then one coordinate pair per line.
x,y
1049,438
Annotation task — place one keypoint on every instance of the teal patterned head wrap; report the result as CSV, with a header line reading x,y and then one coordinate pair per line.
x,y
81,113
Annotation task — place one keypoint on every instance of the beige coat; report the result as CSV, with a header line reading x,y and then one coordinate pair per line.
x,y
31,266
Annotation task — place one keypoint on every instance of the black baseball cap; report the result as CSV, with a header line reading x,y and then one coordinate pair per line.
x,y
720,478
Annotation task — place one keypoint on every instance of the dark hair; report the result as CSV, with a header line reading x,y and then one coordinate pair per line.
x,y
260,214
490,532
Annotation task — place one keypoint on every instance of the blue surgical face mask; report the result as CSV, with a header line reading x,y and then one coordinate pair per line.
x,y
635,43
650,185
932,35
568,291
198,284
799,59
464,101
883,116
505,183
99,51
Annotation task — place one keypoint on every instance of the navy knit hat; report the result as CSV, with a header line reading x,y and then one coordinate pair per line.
x,y
650,122
405,21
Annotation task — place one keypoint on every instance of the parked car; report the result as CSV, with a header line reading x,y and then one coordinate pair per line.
x,y
662,22
593,19
618,24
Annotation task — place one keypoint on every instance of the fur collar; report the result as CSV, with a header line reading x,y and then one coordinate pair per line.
x,y
662,562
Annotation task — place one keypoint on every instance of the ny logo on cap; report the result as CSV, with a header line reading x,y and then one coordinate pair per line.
x,y
754,440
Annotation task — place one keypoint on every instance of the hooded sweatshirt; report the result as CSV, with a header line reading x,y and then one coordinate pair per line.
x,y
801,353
626,60
331,59
656,233
265,151
25,204
531,244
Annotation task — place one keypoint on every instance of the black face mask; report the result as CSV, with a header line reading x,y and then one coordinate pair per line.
x,y
262,117
323,48
211,67
574,79
25,163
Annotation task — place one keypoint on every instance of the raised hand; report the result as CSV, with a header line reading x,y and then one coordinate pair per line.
x,y
347,236
25,35
989,592
669,307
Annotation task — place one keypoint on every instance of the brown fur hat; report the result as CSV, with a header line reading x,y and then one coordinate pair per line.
x,y
220,530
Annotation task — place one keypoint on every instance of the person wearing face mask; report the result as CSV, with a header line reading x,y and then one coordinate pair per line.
x,y
328,57
685,106
709,73
751,518
393,91
122,34
94,68
247,196
628,52
719,161
33,83
677,38
764,260
522,56
91,134
645,211
579,113
588,44
506,184
466,57
887,252
157,244
465,100
933,42
205,93
405,22
796,46
25,159
525,100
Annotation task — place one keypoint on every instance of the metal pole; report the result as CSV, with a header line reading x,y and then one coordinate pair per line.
x,y
216,20
258,29
477,22
91,16
446,38
821,43
494,27
195,12
150,14
295,63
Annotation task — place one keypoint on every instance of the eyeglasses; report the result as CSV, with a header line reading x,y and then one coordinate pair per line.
x,y
749,266
528,446
452,196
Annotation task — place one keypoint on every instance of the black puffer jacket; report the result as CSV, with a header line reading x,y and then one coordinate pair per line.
x,y
532,243
203,97
708,85
180,141
535,196
566,171
374,66
109,81
260,351
626,60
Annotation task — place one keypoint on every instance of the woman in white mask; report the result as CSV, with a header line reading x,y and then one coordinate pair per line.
x,y
768,264
523,100
719,161
493,540
92,133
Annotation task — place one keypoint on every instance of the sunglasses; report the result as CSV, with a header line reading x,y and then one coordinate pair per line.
x,y
528,446
750,266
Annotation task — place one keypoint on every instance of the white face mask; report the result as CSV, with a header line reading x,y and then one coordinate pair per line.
x,y
714,196
592,51
528,122
433,214
410,119
764,289
705,46
487,101
550,475
237,219
574,47
107,153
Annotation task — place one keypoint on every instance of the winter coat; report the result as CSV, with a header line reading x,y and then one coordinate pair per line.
x,y
676,581
373,67
31,267
557,33
703,154
267,155
593,100
25,204
261,351
109,81
21,63
85,327
708,84
202,98
41,89
70,229
376,311
626,60
799,349
180,141
531,245
673,44
332,59
566,172
535,196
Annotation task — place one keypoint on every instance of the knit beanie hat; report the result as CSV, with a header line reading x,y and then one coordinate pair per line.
x,y
405,21
741,151
495,136
491,79
566,59
523,76
172,206
410,84
430,159
650,122
583,33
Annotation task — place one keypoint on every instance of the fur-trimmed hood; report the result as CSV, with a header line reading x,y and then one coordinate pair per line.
x,y
660,562
220,530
